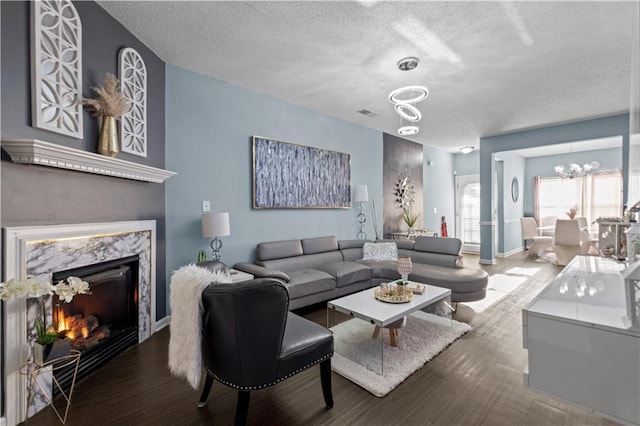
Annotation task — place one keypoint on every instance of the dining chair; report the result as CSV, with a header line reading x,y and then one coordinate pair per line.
x,y
570,241
548,226
530,232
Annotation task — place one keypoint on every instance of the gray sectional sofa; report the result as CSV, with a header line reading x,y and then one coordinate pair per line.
x,y
319,269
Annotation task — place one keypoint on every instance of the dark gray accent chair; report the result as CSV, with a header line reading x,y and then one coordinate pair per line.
x,y
251,341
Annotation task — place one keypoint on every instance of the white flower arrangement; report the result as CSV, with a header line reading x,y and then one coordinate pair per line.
x,y
65,289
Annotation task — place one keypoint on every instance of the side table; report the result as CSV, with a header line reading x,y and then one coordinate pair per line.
x,y
239,276
35,371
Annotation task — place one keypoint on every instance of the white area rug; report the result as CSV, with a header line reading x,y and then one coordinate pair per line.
x,y
522,271
418,342
499,286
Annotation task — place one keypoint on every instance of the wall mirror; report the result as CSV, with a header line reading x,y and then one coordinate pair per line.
x,y
514,189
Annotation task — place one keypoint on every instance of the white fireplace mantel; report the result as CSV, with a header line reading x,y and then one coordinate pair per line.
x,y
36,252
34,151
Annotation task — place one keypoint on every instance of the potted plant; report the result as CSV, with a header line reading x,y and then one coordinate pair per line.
x,y
49,344
410,219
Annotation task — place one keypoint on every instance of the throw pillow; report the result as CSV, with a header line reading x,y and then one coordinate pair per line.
x,y
380,251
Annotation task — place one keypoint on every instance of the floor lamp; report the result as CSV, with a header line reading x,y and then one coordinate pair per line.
x,y
361,196
215,225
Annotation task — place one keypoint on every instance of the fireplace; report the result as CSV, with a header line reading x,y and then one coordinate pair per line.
x,y
47,253
100,325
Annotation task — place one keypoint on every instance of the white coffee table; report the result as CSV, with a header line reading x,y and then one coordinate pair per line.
x,y
363,305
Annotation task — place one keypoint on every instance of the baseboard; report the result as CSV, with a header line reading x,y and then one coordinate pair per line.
x,y
3,421
487,261
510,253
161,324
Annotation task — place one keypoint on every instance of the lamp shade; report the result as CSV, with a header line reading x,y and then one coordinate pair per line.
x,y
360,193
215,225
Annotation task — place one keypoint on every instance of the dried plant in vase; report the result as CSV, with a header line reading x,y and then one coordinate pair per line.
x,y
110,105
572,212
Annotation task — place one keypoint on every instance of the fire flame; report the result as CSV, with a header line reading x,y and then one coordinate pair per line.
x,y
62,321
85,332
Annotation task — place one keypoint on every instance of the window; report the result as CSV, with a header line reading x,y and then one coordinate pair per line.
x,y
468,211
596,195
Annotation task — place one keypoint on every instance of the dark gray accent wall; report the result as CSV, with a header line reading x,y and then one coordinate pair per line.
x,y
401,157
36,195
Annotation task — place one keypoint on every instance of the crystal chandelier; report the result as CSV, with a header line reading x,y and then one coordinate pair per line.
x,y
404,100
574,169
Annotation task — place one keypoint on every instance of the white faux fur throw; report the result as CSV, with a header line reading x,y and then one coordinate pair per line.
x,y
185,355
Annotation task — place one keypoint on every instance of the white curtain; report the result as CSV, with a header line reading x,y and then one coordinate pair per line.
x,y
594,196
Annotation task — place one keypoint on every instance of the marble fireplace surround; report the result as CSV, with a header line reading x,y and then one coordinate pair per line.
x,y
38,251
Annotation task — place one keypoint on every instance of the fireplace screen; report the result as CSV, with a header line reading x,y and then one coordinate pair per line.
x,y
104,323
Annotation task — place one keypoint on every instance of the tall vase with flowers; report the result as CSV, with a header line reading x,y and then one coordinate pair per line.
x,y
49,342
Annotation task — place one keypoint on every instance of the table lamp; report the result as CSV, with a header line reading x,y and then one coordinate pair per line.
x,y
215,225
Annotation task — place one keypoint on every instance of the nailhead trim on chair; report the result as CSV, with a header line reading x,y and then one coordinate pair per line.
x,y
272,383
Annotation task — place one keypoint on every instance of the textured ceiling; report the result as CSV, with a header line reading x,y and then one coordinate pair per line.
x,y
491,67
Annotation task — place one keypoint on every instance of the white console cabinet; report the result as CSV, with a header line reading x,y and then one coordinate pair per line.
x,y
583,339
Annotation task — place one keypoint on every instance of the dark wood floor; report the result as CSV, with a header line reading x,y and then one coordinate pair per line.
x,y
477,380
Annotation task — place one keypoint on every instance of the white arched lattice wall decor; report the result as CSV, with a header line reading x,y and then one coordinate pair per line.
x,y
56,67
133,83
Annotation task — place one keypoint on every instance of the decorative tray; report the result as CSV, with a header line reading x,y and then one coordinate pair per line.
x,y
393,298
416,288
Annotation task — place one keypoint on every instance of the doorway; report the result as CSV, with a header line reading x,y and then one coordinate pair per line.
x,y
468,212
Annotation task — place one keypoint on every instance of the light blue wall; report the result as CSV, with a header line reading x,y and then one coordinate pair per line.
x,y
617,125
209,124
467,164
610,159
439,189
513,166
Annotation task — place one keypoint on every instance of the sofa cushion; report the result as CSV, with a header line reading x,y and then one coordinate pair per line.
x,y
387,270
309,281
347,272
348,244
405,244
460,281
438,259
278,249
319,245
380,251
451,246
351,254
311,261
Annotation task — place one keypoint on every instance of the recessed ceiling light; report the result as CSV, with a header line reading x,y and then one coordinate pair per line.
x,y
466,149
408,130
407,64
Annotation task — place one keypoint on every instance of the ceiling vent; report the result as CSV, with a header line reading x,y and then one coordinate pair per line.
x,y
367,113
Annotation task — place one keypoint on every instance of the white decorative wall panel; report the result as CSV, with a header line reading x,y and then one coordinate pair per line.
x,y
133,82
56,67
